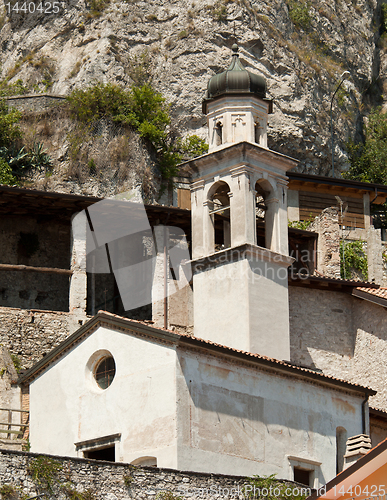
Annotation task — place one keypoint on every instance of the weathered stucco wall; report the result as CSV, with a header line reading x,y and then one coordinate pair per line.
x,y
113,481
31,334
343,336
216,416
236,417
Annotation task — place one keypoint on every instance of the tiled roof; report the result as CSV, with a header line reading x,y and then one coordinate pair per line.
x,y
378,292
183,339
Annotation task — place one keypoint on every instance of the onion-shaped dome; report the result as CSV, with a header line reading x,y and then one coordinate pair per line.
x,y
235,80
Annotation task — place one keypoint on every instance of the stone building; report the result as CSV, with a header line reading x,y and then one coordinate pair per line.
x,y
257,365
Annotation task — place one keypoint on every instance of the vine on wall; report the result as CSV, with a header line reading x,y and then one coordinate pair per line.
x,y
353,260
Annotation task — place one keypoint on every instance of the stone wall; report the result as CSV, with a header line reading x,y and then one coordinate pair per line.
x,y
117,481
35,102
341,335
328,249
30,334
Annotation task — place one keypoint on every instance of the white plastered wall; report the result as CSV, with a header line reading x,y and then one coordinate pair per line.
x,y
66,405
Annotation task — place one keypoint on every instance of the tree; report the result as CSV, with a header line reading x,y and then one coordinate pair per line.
x,y
369,159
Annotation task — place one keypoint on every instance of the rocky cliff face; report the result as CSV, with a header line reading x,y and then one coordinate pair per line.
x,y
300,48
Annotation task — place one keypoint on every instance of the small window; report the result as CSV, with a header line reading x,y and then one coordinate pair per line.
x,y
105,371
302,476
106,454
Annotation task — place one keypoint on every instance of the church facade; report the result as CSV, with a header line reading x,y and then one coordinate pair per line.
x,y
226,399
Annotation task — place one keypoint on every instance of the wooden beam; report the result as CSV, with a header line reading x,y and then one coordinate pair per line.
x,y
50,270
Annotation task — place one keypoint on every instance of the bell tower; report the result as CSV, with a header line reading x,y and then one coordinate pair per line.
x,y
240,286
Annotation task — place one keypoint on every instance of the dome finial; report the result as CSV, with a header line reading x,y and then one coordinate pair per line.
x,y
235,49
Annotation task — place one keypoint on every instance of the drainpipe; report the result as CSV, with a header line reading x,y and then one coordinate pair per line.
x,y
166,274
364,414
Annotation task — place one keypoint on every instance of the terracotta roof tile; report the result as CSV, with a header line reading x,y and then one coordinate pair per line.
x,y
232,349
377,292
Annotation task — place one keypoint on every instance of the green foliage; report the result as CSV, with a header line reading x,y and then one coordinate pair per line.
x,y
369,159
168,495
44,471
16,362
128,480
99,101
6,176
7,491
383,22
27,445
142,108
274,488
21,161
219,10
9,130
299,14
140,69
97,7
73,494
92,167
194,146
353,257
17,88
182,34
301,224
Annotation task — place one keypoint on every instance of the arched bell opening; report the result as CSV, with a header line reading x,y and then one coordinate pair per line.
x,y
219,198
260,212
257,132
265,213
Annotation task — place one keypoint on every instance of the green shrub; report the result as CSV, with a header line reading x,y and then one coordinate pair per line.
x,y
9,130
275,490
353,257
7,491
15,360
369,159
10,89
141,108
299,14
6,176
383,20
44,471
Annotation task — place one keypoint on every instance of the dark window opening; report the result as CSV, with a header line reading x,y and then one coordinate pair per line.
x,y
105,371
221,216
107,454
302,476
219,135
257,133
260,215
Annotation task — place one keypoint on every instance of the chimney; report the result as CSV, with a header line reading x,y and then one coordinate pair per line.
x,y
356,447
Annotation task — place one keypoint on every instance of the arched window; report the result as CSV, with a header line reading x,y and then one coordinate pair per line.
x,y
220,213
260,214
